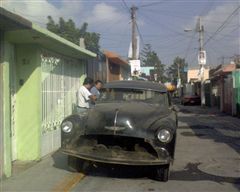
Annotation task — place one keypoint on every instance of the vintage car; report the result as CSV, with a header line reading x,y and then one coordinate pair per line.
x,y
191,100
133,123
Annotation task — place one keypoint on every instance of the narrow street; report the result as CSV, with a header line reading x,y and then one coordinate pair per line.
x,y
207,159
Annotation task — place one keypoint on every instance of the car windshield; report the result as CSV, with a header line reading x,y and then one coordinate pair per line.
x,y
117,94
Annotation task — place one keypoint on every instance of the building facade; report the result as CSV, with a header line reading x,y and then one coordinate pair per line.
x,y
116,67
193,75
222,88
236,92
108,66
40,74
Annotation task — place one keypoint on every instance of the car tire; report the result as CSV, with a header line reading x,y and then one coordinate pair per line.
x,y
162,173
75,164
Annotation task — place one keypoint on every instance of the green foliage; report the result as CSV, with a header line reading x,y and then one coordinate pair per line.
x,y
91,41
150,58
69,31
172,70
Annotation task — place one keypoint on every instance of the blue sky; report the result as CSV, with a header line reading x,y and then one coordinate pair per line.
x,y
161,23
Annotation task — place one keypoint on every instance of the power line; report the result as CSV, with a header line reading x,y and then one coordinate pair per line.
x,y
126,6
139,33
230,36
166,26
189,46
221,27
151,4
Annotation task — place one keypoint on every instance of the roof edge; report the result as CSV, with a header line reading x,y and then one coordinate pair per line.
x,y
29,25
52,35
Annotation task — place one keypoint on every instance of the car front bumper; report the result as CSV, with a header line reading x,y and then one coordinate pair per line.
x,y
116,156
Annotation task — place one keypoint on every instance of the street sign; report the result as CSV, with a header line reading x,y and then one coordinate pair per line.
x,y
202,58
178,83
135,67
155,76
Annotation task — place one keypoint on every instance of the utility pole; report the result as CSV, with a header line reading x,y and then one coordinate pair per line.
x,y
134,39
179,80
202,68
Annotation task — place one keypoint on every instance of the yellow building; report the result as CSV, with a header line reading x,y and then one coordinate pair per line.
x,y
193,74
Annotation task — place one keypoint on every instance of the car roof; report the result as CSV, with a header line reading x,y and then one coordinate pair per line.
x,y
141,85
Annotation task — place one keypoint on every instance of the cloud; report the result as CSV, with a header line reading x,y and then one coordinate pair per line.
x,y
113,25
218,15
108,17
104,13
100,16
226,42
37,11
105,18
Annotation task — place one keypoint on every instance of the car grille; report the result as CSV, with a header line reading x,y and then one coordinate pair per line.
x,y
117,143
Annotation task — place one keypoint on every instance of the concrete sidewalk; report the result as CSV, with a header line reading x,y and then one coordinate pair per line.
x,y
42,176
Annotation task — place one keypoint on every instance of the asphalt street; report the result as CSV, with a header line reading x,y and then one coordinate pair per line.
x,y
207,159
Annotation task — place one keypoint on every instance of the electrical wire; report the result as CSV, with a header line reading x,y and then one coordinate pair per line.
x,y
166,26
189,45
222,26
141,37
126,6
151,4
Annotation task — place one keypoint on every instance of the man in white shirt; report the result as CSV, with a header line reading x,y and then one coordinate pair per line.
x,y
84,95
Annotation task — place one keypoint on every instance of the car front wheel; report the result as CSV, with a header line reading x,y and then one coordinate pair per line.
x,y
75,164
162,173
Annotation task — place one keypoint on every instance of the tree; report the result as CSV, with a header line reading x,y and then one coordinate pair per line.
x,y
172,70
51,25
145,55
69,31
92,41
149,58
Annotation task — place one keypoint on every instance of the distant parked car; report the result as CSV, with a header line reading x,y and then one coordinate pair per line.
x,y
191,100
133,123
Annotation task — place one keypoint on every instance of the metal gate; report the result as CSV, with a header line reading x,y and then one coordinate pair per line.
x,y
60,82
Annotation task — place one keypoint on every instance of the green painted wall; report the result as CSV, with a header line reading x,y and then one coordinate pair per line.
x,y
236,92
1,102
28,102
7,59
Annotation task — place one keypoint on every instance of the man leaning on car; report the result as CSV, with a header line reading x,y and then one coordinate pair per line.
x,y
84,95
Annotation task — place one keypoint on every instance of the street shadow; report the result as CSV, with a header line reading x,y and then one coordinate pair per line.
x,y
208,132
207,110
102,169
118,171
191,172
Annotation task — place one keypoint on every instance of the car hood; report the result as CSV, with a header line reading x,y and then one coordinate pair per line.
x,y
126,118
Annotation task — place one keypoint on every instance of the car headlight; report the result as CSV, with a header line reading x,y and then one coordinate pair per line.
x,y
67,126
164,135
